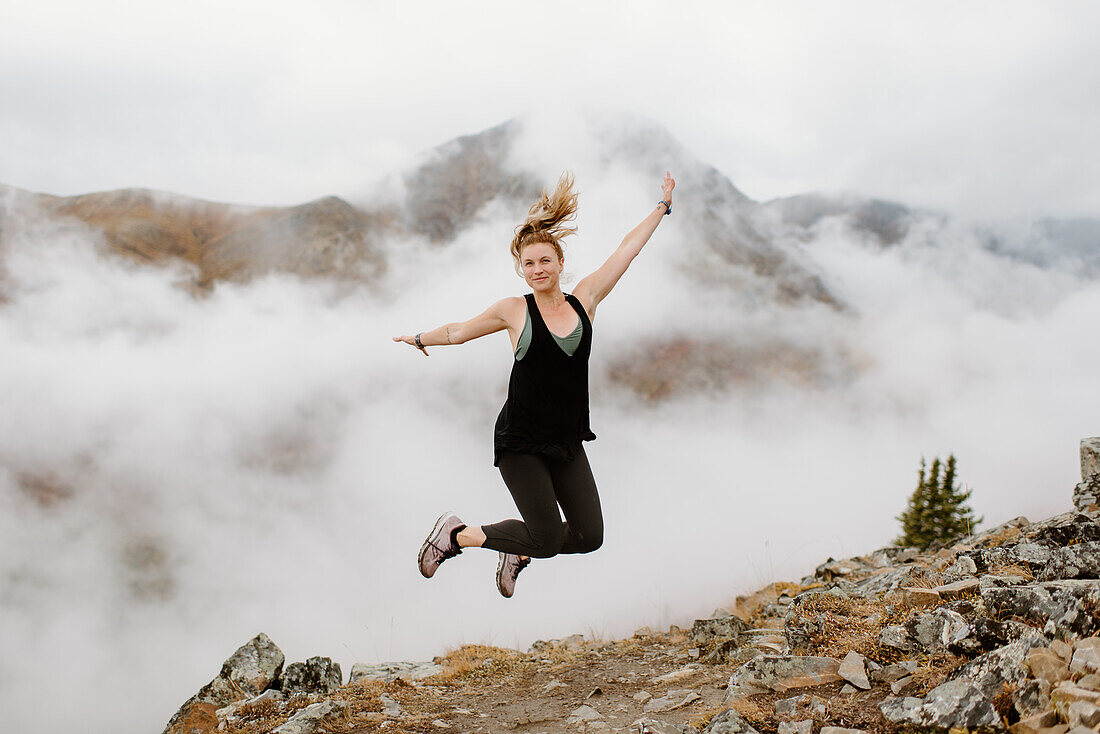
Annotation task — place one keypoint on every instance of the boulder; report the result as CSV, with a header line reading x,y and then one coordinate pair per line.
x,y
804,706
1032,697
963,568
316,675
916,596
248,672
674,699
393,670
806,726
1080,561
853,669
1005,665
895,671
706,631
1064,608
1090,458
652,726
310,718
781,673
956,703
936,630
729,722
1045,665
897,637
958,588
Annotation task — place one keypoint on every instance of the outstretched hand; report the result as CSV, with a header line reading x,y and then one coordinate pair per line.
x,y
667,186
411,341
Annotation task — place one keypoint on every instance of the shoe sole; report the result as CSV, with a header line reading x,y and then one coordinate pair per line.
x,y
500,567
427,542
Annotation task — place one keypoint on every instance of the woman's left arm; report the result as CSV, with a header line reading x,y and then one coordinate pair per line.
x,y
594,288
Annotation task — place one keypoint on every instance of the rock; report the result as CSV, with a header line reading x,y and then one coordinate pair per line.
x,y
1066,693
847,690
652,726
1035,722
958,588
1032,697
918,597
1000,581
677,675
806,726
391,671
1090,458
228,714
903,685
440,724
955,703
1046,665
642,696
706,631
1065,530
583,713
193,716
316,675
896,671
781,673
854,670
674,699
1090,681
729,722
1081,561
802,707
1063,607
1083,713
390,707
896,636
311,717
963,568
832,569
1086,656
1063,649
936,630
553,684
839,730
1005,665
248,672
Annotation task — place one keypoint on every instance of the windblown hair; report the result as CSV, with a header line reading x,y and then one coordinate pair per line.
x,y
547,219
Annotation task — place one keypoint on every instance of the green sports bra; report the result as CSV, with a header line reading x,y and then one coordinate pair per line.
x,y
568,343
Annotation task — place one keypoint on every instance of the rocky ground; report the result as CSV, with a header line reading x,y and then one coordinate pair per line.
x,y
997,631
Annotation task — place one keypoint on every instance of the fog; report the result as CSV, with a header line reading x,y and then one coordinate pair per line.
x,y
180,473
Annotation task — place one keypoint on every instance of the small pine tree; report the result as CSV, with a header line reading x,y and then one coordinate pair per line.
x,y
937,510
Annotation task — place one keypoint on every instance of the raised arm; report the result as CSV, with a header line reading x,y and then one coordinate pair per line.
x,y
594,288
495,318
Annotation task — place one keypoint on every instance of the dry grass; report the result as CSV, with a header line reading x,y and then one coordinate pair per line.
x,y
1012,569
476,659
1001,537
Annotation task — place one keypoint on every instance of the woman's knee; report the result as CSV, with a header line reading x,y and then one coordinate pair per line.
x,y
547,542
591,541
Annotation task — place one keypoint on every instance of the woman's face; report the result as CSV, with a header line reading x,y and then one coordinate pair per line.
x,y
541,266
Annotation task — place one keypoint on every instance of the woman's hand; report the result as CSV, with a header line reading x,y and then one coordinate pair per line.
x,y
667,187
411,341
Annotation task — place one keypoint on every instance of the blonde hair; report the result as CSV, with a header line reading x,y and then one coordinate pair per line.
x,y
546,219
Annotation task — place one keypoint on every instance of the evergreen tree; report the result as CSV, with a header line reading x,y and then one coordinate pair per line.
x,y
937,510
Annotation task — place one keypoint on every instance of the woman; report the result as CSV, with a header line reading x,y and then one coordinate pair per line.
x,y
539,431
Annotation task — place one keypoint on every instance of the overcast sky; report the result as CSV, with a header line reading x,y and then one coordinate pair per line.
x,y
986,109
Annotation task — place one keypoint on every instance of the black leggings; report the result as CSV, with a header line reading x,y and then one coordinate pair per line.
x,y
538,485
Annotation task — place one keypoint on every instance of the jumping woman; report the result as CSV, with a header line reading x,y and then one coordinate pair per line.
x,y
537,442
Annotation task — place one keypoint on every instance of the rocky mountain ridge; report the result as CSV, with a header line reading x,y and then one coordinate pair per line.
x,y
998,631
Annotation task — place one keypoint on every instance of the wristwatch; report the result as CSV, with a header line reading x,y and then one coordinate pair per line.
x,y
668,206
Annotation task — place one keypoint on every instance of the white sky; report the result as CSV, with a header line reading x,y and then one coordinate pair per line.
x,y
986,109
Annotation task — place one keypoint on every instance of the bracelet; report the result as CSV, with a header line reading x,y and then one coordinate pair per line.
x,y
668,206
417,340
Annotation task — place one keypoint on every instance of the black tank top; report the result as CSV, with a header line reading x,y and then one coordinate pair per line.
x,y
547,407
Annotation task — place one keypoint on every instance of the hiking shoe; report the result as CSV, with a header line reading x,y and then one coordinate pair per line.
x,y
508,568
438,546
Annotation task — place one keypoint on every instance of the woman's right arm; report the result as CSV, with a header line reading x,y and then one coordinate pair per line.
x,y
499,316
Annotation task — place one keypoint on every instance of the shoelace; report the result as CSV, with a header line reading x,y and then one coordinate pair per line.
x,y
520,565
450,552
